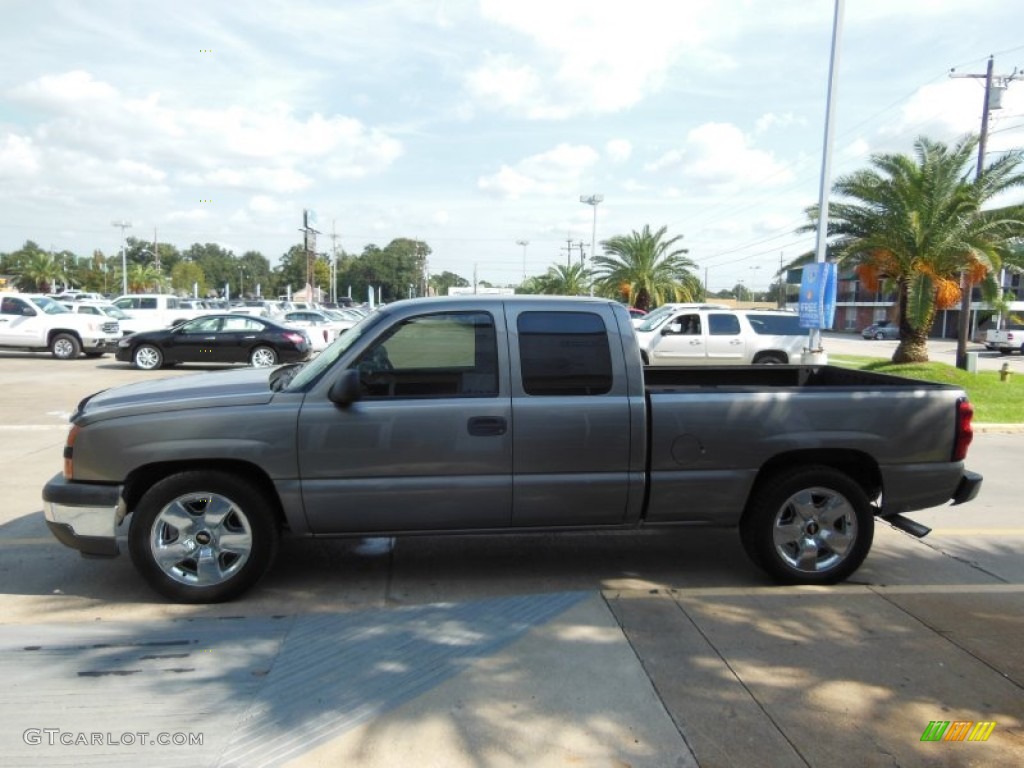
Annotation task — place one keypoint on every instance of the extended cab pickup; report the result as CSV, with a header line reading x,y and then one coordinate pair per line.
x,y
499,414
38,323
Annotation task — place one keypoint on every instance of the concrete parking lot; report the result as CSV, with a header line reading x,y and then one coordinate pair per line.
x,y
642,649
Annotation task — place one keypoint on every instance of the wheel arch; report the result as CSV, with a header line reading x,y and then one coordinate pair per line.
x,y
781,354
143,478
857,465
58,331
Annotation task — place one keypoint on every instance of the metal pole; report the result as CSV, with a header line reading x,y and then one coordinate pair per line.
x,y
124,259
523,243
964,326
814,338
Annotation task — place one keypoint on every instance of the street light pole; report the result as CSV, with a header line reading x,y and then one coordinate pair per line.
x,y
124,259
523,243
592,200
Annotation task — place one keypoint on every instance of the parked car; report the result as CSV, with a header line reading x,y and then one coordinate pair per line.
x,y
1006,340
709,335
883,329
128,325
216,339
319,325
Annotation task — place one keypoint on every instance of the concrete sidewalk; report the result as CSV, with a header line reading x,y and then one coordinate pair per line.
x,y
831,676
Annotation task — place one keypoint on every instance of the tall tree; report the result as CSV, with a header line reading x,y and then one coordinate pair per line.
x,y
440,283
645,270
919,222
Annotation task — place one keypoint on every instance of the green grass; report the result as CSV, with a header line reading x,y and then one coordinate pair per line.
x,y
994,401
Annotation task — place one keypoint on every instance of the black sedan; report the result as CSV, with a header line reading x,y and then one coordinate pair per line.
x,y
215,339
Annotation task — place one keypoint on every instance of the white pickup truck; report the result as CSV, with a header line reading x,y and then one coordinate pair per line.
x,y
1006,340
37,323
153,311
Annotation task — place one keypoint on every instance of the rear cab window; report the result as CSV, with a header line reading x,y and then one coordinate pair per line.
x,y
564,354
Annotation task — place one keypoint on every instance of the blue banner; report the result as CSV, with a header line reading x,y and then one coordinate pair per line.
x,y
818,296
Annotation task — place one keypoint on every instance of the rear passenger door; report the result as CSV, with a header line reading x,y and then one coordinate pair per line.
x,y
726,342
571,436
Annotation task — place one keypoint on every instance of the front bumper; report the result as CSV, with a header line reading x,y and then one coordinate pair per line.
x,y
84,516
100,343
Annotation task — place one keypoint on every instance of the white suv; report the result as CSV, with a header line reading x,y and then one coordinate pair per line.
x,y
704,335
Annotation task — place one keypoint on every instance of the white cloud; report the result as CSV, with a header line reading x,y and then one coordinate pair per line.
x,y
18,157
719,155
594,57
671,159
555,172
770,120
194,214
618,150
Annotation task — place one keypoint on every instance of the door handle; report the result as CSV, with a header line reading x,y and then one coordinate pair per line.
x,y
487,426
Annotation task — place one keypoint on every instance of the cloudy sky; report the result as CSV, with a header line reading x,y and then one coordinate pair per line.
x,y
472,124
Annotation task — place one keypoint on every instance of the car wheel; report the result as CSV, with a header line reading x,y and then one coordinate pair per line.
x,y
147,357
879,335
64,346
810,525
94,354
770,359
202,537
262,357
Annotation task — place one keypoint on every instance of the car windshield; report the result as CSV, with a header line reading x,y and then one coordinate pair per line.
x,y
111,311
654,319
49,306
312,370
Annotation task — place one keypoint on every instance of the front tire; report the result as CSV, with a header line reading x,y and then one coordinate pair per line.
x,y
64,346
879,336
810,525
147,357
202,537
770,359
263,357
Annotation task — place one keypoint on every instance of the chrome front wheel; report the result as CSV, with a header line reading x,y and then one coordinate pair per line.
x,y
203,537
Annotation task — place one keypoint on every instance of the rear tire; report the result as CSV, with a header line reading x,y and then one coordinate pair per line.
x,y
263,357
65,346
203,537
770,359
809,525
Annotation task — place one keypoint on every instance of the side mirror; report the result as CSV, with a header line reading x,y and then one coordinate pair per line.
x,y
28,312
346,390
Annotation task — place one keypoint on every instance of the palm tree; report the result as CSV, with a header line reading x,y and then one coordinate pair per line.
x,y
143,278
919,223
559,280
39,272
644,270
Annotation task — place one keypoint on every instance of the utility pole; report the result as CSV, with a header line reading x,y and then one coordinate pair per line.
x,y
583,256
964,325
568,251
124,261
334,262
782,285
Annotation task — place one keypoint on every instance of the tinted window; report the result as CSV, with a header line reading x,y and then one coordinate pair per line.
x,y
449,354
564,353
778,325
147,303
723,325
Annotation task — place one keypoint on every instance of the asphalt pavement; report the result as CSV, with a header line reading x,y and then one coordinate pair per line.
x,y
663,648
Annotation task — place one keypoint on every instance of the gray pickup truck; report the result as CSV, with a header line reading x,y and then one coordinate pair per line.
x,y
500,414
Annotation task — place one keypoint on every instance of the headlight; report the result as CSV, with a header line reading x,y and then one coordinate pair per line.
x,y
124,343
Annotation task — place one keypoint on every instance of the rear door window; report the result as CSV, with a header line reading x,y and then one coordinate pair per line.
x,y
723,325
564,353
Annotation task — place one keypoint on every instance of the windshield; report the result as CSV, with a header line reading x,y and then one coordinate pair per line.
x,y
655,318
312,370
49,306
115,312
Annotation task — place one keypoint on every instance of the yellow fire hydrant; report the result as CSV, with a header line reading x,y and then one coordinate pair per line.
x,y
1005,372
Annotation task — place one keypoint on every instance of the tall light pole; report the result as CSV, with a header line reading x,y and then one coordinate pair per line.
x,y
592,200
124,259
753,279
523,243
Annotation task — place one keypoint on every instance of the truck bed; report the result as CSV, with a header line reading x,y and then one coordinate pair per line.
x,y
663,380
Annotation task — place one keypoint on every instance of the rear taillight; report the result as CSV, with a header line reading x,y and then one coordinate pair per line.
x,y
69,447
295,338
964,432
